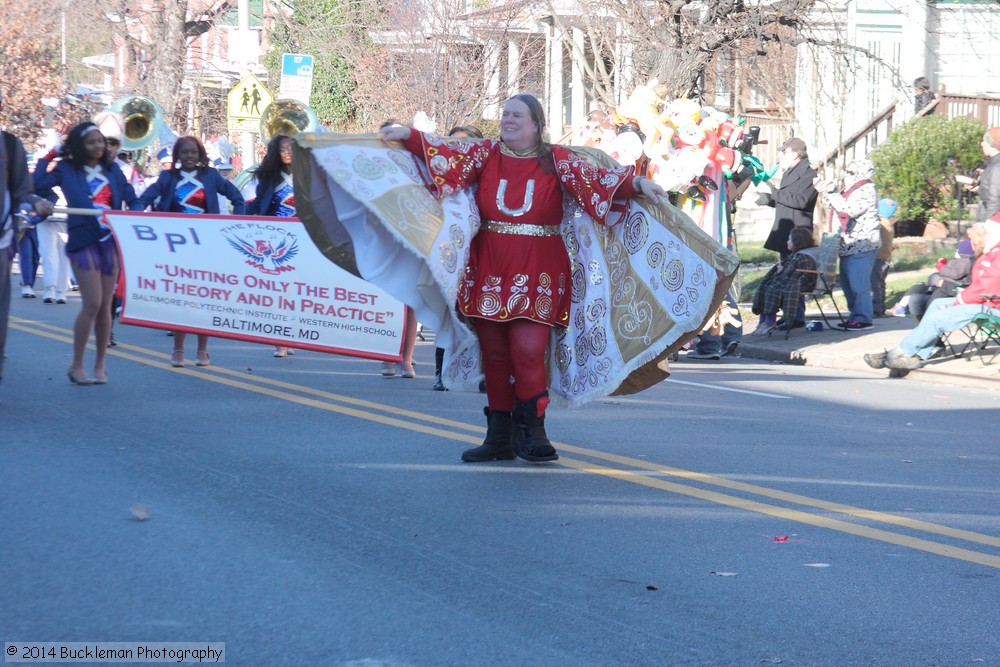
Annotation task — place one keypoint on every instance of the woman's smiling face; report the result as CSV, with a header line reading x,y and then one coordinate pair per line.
x,y
517,129
187,155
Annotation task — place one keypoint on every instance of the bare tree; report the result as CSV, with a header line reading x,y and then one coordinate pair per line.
x,y
29,65
159,36
382,60
688,45
453,66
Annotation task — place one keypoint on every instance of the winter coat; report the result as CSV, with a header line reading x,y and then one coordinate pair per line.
x,y
793,203
863,231
989,190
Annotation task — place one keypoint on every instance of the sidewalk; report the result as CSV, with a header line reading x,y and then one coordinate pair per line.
x,y
845,350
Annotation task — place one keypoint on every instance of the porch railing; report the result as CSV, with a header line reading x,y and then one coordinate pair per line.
x,y
861,142
983,108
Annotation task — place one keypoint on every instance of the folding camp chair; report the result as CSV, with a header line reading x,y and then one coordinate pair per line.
x,y
982,329
825,255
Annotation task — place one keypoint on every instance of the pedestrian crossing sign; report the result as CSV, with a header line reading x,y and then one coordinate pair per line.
x,y
247,100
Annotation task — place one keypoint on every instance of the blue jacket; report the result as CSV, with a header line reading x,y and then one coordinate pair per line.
x,y
214,183
84,230
262,203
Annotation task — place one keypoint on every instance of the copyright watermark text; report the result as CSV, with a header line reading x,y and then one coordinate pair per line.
x,y
212,652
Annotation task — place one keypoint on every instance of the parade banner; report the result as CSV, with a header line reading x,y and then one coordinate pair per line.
x,y
250,278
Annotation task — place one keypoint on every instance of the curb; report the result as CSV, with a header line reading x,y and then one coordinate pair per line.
x,y
822,356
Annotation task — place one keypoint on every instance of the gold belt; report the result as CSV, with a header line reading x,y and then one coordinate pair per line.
x,y
519,228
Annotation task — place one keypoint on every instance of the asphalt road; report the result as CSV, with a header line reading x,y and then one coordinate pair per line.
x,y
307,511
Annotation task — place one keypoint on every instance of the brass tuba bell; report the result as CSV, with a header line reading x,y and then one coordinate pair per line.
x,y
287,117
143,119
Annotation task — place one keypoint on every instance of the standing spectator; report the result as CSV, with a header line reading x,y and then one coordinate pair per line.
x,y
15,194
857,208
795,198
883,258
190,186
989,180
922,95
89,179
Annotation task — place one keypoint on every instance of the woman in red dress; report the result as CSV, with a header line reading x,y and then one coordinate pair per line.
x,y
517,284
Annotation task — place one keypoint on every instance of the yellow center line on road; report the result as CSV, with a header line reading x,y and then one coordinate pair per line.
x,y
788,514
119,350
861,513
254,383
294,393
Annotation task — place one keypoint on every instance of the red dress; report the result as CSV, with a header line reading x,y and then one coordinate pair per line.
x,y
518,264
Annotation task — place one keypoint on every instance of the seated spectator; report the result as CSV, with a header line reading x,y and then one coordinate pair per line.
x,y
951,275
943,316
784,282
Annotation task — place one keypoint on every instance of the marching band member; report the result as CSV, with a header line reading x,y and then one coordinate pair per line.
x,y
191,186
89,178
274,193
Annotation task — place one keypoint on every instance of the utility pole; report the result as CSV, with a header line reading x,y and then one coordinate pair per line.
x,y
248,140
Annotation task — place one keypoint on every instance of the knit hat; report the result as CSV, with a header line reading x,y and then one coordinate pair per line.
x,y
887,208
861,168
992,137
965,248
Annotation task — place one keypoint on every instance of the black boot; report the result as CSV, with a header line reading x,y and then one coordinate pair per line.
x,y
438,364
496,446
529,440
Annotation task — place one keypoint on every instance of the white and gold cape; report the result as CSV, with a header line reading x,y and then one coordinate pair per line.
x,y
643,284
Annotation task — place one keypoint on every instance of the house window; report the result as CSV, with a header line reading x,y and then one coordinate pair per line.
x,y
232,18
758,96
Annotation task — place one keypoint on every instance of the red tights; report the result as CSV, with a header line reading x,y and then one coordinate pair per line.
x,y
515,348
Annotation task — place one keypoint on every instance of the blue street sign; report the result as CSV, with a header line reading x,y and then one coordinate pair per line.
x,y
296,64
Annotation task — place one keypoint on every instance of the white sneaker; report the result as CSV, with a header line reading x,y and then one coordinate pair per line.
x,y
27,292
50,294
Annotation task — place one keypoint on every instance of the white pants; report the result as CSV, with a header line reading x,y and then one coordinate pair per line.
x,y
52,247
